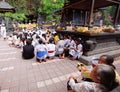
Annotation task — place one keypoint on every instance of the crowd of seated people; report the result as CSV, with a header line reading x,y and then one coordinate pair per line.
x,y
43,44
46,43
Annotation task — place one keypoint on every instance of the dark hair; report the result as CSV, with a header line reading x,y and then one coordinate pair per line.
x,y
107,76
31,39
55,34
44,35
78,40
51,40
65,36
40,41
28,42
71,36
109,60
37,36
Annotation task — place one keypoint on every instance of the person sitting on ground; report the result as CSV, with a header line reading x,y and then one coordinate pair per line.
x,y
45,39
70,44
60,48
103,77
28,50
56,38
77,52
10,41
66,45
50,49
35,41
41,51
18,43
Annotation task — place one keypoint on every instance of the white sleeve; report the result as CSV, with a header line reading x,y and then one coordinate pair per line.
x,y
35,51
72,83
79,87
75,86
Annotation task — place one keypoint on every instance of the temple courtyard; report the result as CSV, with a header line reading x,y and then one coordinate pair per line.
x,y
18,75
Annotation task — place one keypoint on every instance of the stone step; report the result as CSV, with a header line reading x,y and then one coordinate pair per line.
x,y
88,59
102,50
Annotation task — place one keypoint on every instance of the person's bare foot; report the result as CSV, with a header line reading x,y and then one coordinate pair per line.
x,y
71,58
51,57
40,61
43,60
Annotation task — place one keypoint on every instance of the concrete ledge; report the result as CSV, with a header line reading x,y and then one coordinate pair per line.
x,y
102,50
88,59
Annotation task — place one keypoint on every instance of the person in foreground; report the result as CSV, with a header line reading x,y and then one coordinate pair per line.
x,y
103,77
104,59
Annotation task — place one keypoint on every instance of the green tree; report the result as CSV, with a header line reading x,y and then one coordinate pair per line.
x,y
28,7
109,14
33,7
17,16
48,8
19,5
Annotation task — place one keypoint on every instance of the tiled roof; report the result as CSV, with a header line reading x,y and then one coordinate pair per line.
x,y
5,5
86,4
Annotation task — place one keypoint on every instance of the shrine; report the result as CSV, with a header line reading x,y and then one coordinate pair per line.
x,y
77,18
5,7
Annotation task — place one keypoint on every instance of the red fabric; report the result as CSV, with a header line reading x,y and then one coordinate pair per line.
x,y
51,51
81,50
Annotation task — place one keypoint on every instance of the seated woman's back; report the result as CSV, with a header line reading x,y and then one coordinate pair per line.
x,y
28,50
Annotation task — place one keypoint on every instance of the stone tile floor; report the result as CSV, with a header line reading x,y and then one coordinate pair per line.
x,y
18,75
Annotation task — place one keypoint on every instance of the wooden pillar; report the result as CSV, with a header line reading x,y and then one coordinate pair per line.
x,y
73,20
117,15
91,12
86,18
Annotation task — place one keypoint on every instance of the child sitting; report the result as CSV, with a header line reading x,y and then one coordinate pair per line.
x,y
50,49
41,51
77,51
10,41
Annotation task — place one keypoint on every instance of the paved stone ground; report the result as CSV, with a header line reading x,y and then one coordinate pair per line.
x,y
18,75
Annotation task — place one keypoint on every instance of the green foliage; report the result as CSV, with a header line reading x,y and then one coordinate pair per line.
x,y
110,10
1,14
33,7
48,8
107,22
109,13
28,7
17,16
19,5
